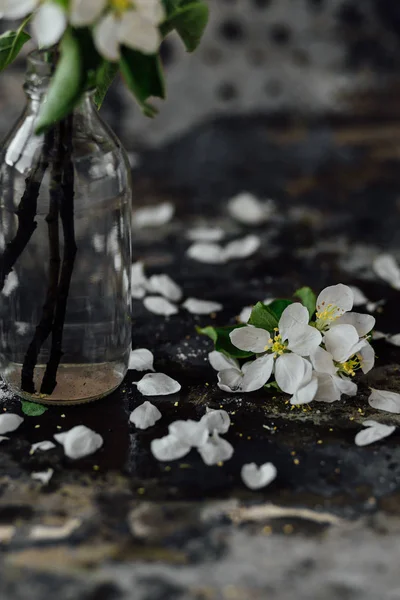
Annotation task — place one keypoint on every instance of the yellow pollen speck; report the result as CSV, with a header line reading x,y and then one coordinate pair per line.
x,y
351,418
267,530
141,491
220,464
320,442
330,429
296,461
240,434
288,528
184,466
293,453
63,416
167,468
121,5
96,468
249,437
176,403
37,426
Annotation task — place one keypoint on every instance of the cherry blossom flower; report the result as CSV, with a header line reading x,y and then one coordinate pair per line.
x,y
331,382
49,19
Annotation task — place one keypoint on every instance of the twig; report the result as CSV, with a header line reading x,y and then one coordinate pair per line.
x,y
44,327
49,381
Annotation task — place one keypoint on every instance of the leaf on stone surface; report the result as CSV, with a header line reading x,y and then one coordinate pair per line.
x,y
222,341
141,360
144,416
373,432
169,448
201,307
263,317
189,20
80,441
255,477
160,306
31,409
158,384
385,400
143,74
43,476
308,299
9,422
105,76
11,43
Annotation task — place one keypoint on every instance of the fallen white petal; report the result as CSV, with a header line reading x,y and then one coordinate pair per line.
x,y
245,314
206,234
242,248
379,335
164,285
158,384
43,476
385,400
216,420
208,253
10,284
43,446
374,431
201,307
139,280
141,360
255,477
373,306
394,339
9,422
359,296
216,450
144,416
160,306
47,532
3,438
79,441
169,448
248,209
386,267
192,433
220,361
154,216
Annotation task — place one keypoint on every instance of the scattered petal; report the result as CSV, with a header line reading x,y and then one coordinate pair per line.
x,y
249,210
255,477
385,400
158,384
216,450
144,416
373,306
139,280
169,448
43,476
164,285
11,283
374,431
160,306
154,216
216,420
201,307
220,361
191,433
242,248
43,446
9,422
386,267
80,441
3,438
141,360
245,314
46,532
379,335
359,296
208,253
393,339
206,234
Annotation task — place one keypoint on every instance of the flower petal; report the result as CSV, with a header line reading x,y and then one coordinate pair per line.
x,y
79,441
11,283
106,40
345,385
164,285
374,431
158,384
154,216
160,306
43,476
322,361
16,9
245,314
152,10
216,420
48,24
255,477
206,234
44,446
250,339
249,210
9,422
392,339
144,416
386,267
293,320
141,360
339,297
242,248
139,280
3,438
342,341
86,12
220,361
367,358
212,254
362,323
216,450
327,390
139,33
359,297
169,448
201,307
289,372
192,433
257,373
385,400
304,342
306,393
230,380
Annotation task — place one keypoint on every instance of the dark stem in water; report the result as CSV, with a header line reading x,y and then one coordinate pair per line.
x,y
44,327
49,381
26,213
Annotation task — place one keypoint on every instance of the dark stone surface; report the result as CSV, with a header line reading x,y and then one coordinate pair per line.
x,y
158,531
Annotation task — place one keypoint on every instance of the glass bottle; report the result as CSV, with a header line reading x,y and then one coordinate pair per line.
x,y
65,253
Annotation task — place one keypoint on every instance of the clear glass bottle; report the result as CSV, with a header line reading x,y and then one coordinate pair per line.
x,y
65,254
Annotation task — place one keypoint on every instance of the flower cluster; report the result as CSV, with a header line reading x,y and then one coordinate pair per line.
x,y
313,349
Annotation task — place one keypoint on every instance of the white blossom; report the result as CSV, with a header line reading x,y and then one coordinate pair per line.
x,y
386,267
216,420
158,384
141,360
331,384
49,20
144,416
249,210
374,432
255,477
385,400
342,342
201,307
169,448
193,433
9,422
160,306
164,285
251,377
80,441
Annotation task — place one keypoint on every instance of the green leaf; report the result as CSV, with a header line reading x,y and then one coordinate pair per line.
x,y
106,74
262,316
67,86
278,306
190,21
144,77
308,298
31,409
11,43
222,341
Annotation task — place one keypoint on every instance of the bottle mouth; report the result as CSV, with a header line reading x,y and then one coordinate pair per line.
x,y
40,69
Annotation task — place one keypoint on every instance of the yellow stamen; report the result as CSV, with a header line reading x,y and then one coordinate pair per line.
x,y
121,5
276,345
